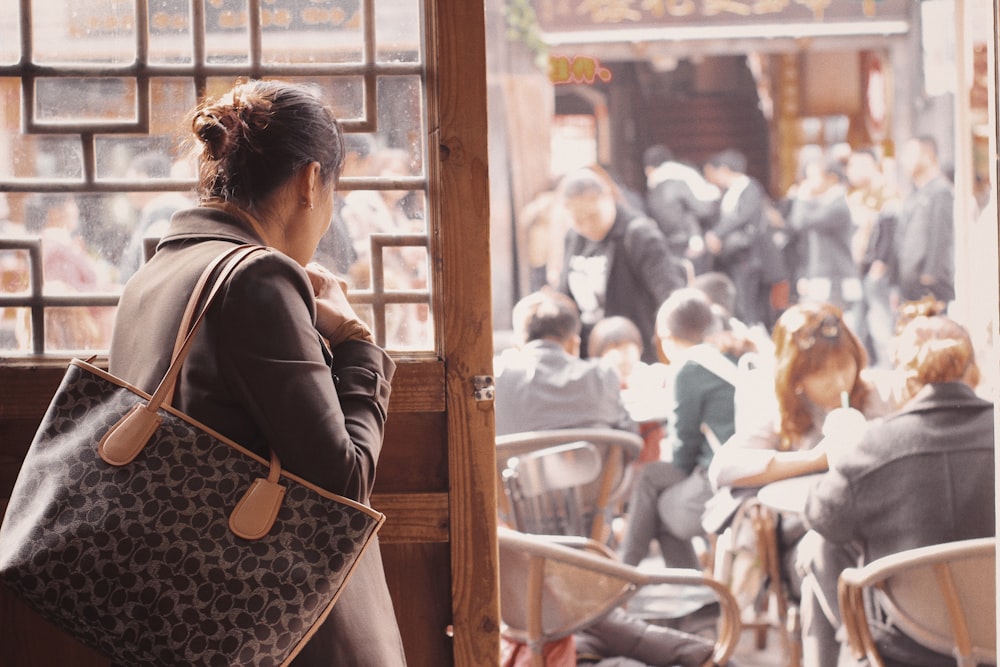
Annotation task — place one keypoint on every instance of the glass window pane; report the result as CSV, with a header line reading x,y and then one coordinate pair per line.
x,y
78,100
12,205
405,268
10,35
398,31
363,213
78,328
227,30
15,331
344,94
41,156
78,232
101,31
408,327
13,161
170,31
360,148
401,116
312,31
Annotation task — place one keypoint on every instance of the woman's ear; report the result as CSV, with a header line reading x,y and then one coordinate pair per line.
x,y
310,183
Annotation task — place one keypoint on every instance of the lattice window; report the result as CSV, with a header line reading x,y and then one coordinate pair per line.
x,y
93,94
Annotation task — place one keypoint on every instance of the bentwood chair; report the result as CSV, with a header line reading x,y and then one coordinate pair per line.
x,y
564,481
549,590
942,596
748,561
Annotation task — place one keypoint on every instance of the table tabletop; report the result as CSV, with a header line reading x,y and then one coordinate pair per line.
x,y
788,495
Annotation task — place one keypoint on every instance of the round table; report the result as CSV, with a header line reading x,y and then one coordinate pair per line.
x,y
788,495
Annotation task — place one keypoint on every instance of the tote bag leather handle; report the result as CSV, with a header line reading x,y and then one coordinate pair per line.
x,y
123,442
255,513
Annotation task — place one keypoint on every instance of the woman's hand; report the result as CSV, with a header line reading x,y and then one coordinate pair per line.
x,y
332,307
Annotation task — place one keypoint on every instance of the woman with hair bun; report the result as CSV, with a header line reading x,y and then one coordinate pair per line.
x,y
282,360
921,476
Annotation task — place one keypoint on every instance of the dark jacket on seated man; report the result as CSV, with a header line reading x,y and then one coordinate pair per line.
x,y
922,476
919,477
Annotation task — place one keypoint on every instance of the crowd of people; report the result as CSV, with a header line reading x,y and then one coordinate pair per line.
x,y
854,373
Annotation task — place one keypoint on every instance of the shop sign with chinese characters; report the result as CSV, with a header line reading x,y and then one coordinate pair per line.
x,y
570,15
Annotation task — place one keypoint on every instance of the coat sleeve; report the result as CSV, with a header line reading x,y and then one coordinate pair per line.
x,y
748,211
685,428
748,452
651,260
940,242
323,418
830,509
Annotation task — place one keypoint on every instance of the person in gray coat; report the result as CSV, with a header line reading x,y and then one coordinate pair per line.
x,y
282,361
821,216
920,476
925,235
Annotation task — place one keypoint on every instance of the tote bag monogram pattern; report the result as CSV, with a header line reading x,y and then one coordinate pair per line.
x,y
139,561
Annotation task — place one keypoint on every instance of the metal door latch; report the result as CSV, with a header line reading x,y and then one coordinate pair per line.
x,y
484,389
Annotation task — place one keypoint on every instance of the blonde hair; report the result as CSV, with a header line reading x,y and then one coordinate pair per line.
x,y
935,349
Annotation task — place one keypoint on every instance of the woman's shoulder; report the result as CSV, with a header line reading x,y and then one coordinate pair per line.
x,y
269,275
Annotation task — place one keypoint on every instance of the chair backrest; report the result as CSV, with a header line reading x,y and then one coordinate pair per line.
x,y
549,590
546,488
545,596
564,481
941,596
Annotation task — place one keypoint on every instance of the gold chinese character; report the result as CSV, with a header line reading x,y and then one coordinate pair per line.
x,y
713,7
609,11
769,6
818,7
661,8
578,69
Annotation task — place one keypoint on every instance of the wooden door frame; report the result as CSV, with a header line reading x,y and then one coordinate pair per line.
x,y
457,81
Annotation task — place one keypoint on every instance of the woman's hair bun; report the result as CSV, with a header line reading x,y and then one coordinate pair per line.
x,y
213,132
237,117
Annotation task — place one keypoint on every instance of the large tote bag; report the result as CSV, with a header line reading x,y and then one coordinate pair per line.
x,y
157,541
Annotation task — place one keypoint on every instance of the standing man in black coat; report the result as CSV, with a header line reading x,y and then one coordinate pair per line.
x,y
616,261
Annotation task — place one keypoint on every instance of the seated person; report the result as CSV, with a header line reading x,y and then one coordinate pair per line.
x,y
542,383
669,497
921,476
616,341
818,366
736,337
